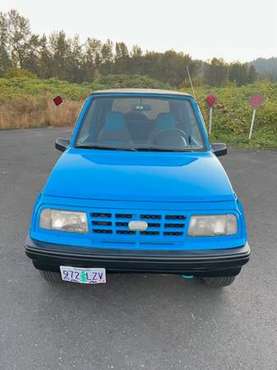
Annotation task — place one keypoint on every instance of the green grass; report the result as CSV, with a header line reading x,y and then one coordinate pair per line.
x,y
232,113
32,87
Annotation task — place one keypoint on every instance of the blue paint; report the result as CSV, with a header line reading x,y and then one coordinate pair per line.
x,y
138,183
145,176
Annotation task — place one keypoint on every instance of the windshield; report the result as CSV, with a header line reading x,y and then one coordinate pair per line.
x,y
140,123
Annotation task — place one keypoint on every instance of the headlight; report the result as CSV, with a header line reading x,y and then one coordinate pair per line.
x,y
213,225
54,219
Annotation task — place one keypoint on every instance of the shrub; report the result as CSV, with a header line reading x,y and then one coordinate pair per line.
x,y
27,102
19,73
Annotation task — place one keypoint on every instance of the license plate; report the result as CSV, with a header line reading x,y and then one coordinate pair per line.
x,y
83,275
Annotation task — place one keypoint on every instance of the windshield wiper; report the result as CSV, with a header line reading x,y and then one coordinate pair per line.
x,y
103,147
142,148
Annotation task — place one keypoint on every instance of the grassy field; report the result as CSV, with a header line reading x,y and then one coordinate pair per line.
x,y
232,114
27,102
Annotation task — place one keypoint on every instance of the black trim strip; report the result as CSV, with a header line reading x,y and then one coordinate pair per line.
x,y
52,252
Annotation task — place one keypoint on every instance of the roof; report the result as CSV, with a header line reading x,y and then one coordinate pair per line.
x,y
141,91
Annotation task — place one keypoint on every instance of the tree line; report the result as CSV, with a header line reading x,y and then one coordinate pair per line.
x,y
65,58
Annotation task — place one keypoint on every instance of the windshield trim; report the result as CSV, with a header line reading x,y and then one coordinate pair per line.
x,y
189,98
140,148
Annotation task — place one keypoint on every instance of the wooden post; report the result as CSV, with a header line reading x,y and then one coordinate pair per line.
x,y
210,120
252,124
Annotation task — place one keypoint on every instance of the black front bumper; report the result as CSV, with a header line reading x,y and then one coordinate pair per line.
x,y
199,263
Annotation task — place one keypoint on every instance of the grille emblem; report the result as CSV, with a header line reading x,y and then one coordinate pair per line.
x,y
137,225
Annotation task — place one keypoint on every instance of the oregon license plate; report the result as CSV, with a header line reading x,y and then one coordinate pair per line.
x,y
83,275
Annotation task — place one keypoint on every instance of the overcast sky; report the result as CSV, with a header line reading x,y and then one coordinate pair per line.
x,y
232,29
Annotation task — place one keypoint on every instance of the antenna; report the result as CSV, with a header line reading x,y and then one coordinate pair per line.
x,y
190,80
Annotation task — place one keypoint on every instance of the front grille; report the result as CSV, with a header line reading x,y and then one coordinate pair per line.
x,y
161,225
151,217
123,215
101,215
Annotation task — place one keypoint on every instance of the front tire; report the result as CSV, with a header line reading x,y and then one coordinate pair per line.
x,y
219,281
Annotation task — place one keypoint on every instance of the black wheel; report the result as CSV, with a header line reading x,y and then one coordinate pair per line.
x,y
218,282
50,276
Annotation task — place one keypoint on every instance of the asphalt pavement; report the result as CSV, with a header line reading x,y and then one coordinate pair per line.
x,y
135,321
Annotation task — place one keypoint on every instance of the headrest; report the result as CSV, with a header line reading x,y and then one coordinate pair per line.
x,y
165,121
114,121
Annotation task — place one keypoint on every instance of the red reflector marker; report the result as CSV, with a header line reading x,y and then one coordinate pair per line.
x,y
255,101
58,100
211,100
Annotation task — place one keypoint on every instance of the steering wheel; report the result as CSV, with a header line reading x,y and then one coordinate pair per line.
x,y
172,136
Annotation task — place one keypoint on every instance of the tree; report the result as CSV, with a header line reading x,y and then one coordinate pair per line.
x,y
19,35
75,60
67,59
216,72
107,57
107,52
92,58
170,67
137,60
266,68
238,73
59,48
121,51
5,61
151,64
242,73
252,74
45,64
136,52
122,58
32,56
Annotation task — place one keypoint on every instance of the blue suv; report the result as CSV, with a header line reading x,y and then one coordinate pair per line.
x,y
138,188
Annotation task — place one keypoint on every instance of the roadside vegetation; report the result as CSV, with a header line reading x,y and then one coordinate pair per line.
x,y
232,114
36,68
27,102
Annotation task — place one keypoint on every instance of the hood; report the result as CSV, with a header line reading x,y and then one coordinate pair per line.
x,y
143,176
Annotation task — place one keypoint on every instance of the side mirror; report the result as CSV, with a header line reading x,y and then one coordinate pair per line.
x,y
61,144
219,149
